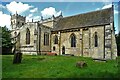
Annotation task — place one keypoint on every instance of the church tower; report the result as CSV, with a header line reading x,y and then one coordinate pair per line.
x,y
17,21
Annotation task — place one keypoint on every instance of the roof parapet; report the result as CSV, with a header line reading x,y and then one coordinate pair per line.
x,y
51,18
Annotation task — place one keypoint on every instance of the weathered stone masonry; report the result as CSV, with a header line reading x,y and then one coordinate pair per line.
x,y
88,35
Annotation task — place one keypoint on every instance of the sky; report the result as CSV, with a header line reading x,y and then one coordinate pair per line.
x,y
34,10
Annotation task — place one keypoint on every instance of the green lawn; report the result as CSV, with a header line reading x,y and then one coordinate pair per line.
x,y
57,67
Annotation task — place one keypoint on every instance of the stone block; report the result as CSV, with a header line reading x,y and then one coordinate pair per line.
x,y
81,64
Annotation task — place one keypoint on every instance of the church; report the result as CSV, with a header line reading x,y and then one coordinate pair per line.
x,y
89,34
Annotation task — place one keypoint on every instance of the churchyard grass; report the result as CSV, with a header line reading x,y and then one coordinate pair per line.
x,y
57,67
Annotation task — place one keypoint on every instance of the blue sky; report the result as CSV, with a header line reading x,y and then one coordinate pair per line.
x,y
33,10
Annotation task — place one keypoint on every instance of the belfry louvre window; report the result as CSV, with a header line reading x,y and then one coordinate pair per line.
x,y
46,39
56,39
73,40
27,36
96,39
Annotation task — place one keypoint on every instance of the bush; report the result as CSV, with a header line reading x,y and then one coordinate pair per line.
x,y
6,40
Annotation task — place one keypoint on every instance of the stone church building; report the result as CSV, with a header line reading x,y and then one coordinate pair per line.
x,y
89,34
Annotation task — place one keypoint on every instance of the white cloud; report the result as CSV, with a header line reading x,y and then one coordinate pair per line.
x,y
107,0
115,12
36,18
18,6
98,9
1,6
31,16
34,10
107,6
5,20
48,12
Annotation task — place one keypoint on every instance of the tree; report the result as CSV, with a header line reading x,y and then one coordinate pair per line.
x,y
118,43
6,40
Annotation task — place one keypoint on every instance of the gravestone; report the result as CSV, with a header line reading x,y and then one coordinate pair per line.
x,y
81,64
17,57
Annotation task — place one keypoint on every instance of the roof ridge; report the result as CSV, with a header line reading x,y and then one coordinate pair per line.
x,y
87,13
99,17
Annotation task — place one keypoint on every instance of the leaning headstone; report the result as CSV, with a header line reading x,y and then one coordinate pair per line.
x,y
81,64
17,57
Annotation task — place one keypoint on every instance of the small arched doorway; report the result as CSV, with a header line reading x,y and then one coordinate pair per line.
x,y
63,50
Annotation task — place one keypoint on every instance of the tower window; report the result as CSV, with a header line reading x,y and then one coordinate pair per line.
x,y
73,40
56,39
96,39
27,36
18,22
46,39
22,23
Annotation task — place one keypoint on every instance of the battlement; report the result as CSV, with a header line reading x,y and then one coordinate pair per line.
x,y
46,20
17,21
17,16
53,18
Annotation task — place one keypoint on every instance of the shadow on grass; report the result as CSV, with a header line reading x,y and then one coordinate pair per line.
x,y
94,75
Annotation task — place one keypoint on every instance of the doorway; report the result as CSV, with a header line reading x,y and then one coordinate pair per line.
x,y
63,50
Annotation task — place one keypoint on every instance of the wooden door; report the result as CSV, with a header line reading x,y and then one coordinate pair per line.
x,y
63,50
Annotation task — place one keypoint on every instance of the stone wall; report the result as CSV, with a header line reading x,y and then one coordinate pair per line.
x,y
110,42
28,48
55,45
17,21
44,48
84,42
113,43
48,23
66,42
97,52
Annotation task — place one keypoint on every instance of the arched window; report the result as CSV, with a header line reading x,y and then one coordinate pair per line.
x,y
27,36
96,39
56,39
46,39
22,24
73,40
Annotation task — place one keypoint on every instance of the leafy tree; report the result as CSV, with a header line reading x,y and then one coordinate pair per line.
x,y
6,40
118,43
